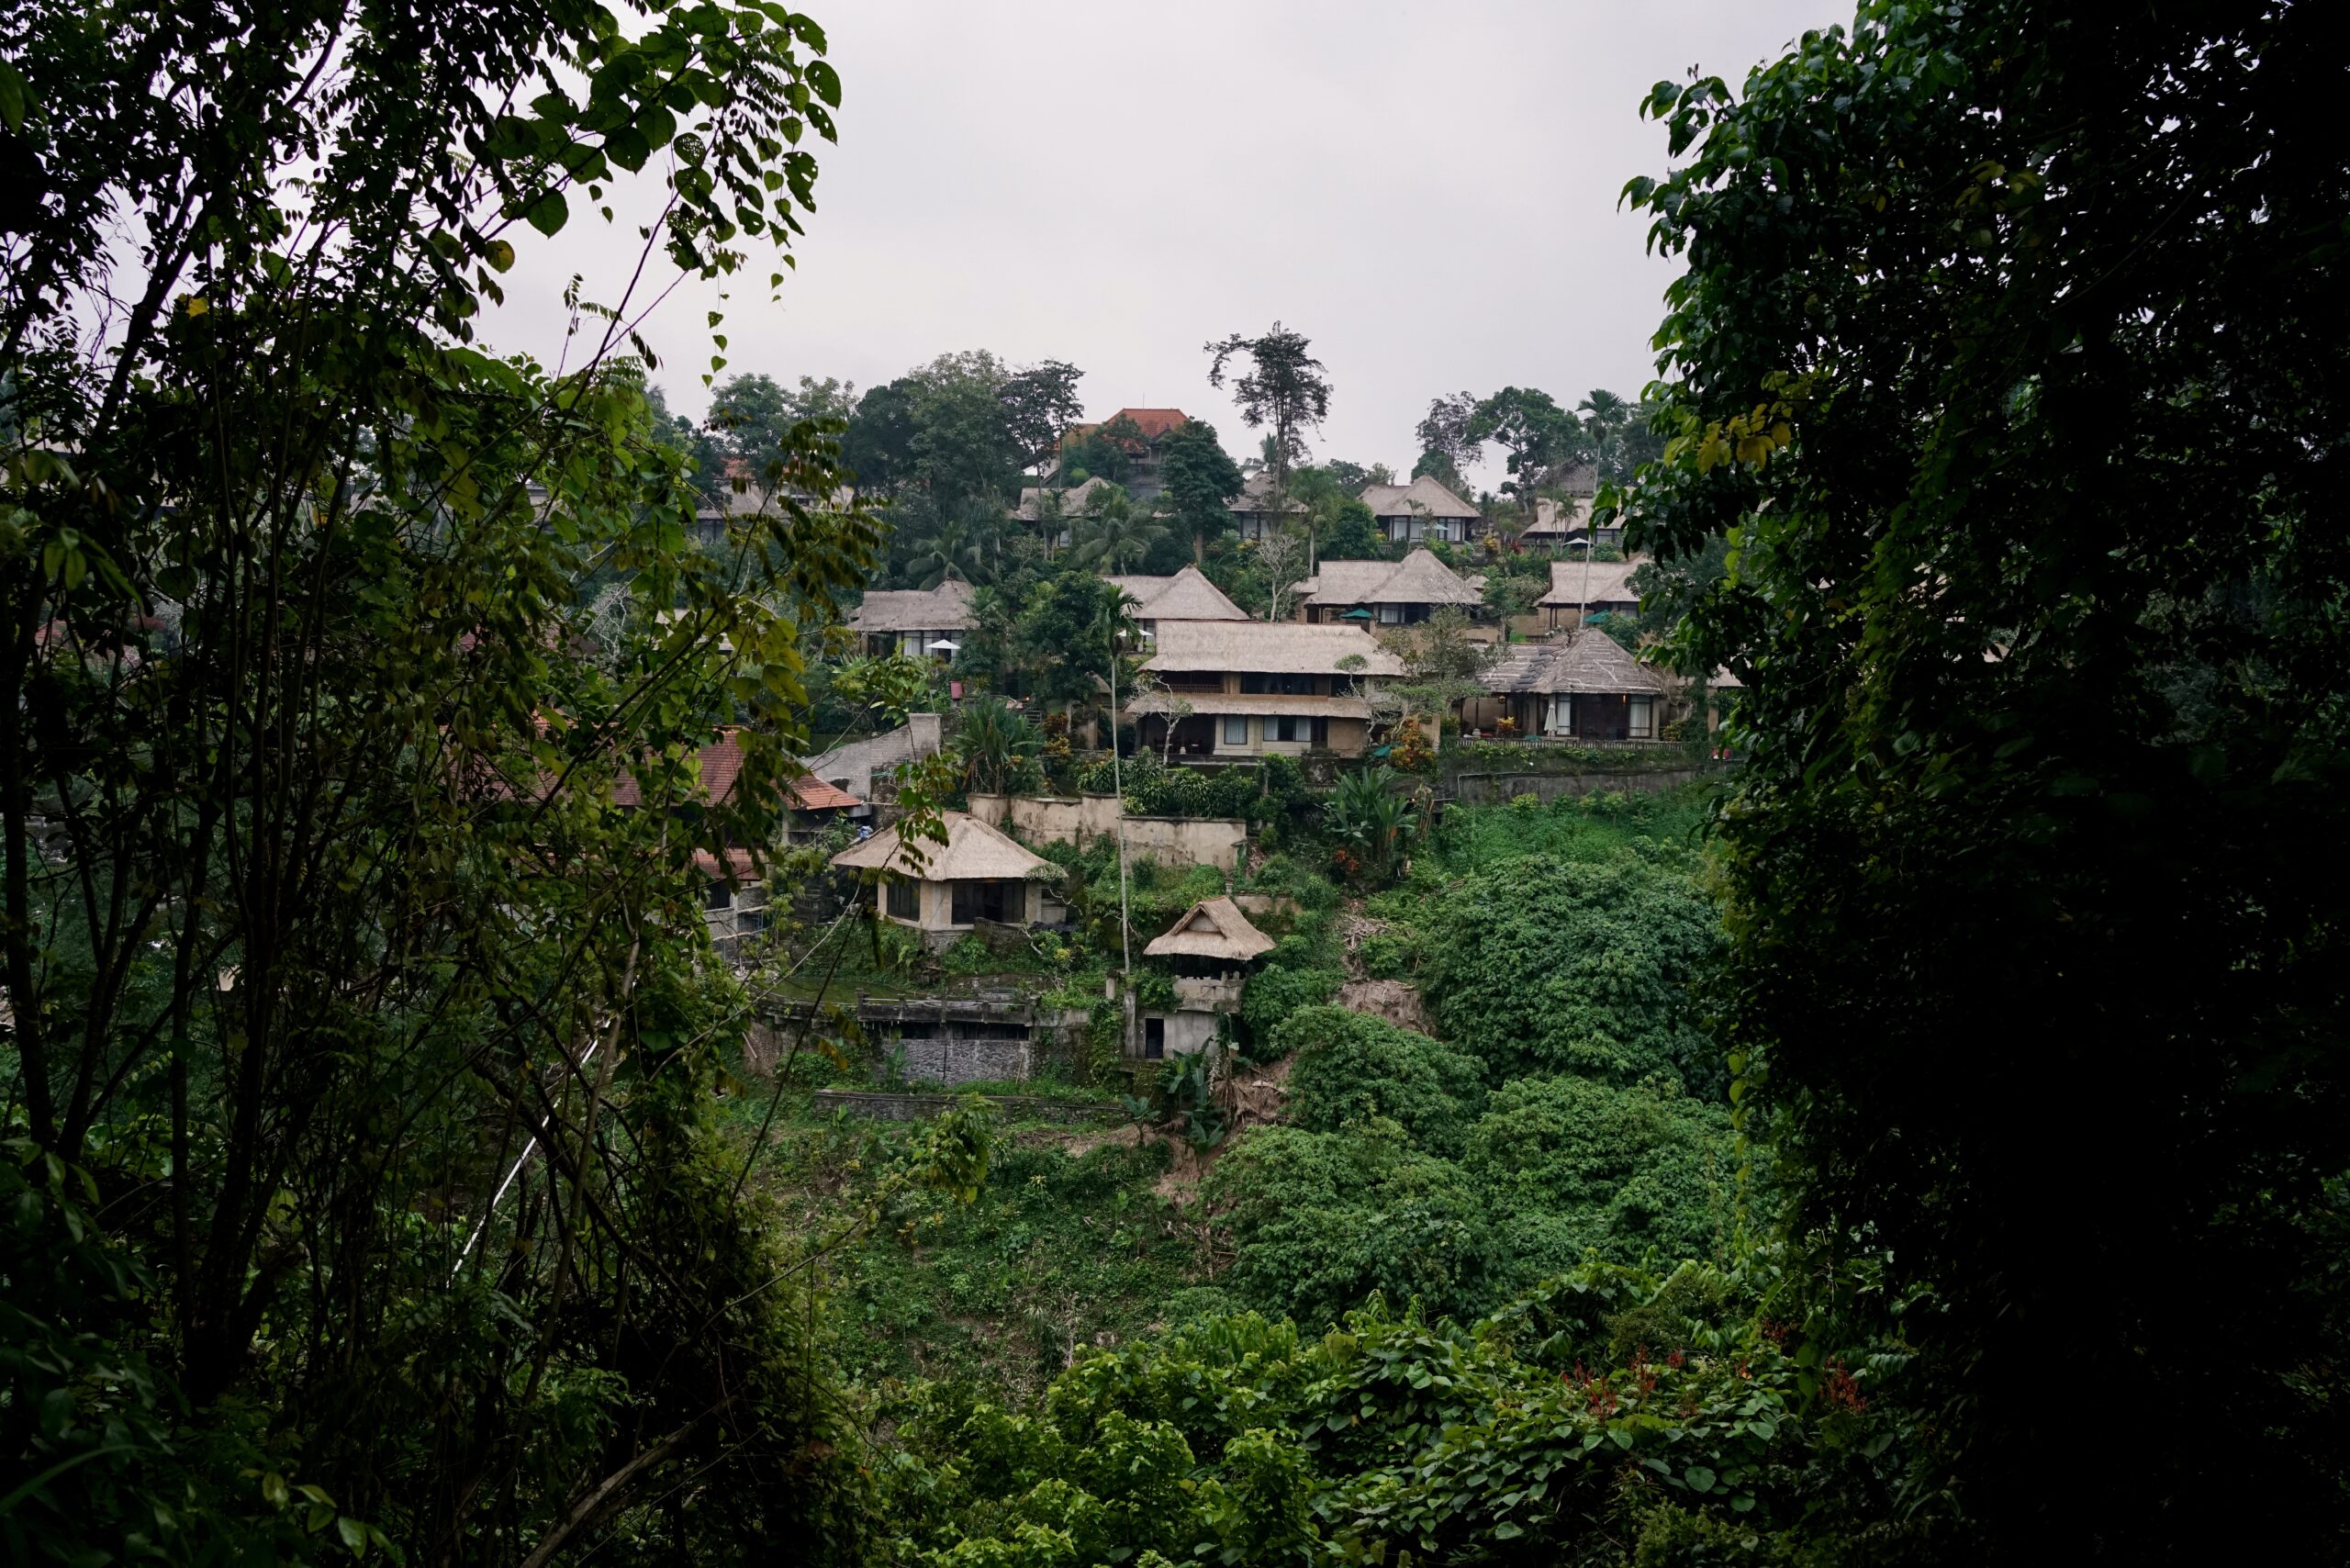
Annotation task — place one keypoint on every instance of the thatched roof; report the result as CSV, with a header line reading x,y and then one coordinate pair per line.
x,y
946,608
1610,583
972,849
1219,705
1423,497
1186,596
1212,928
1256,494
1267,648
1588,663
1418,579
1074,501
1552,520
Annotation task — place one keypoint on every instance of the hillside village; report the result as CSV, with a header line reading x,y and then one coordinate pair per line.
x,y
1117,662
617,952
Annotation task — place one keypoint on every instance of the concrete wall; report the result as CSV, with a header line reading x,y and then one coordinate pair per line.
x,y
937,922
1170,841
1187,1033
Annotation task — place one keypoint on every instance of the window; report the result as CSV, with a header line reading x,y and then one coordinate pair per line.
x,y
1194,680
1562,714
716,895
903,896
1236,730
1322,732
1390,615
1282,729
1154,1039
976,900
1642,723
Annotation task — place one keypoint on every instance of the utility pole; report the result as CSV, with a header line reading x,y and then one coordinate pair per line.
x,y
1117,783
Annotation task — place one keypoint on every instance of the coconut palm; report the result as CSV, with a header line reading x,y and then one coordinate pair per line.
x,y
952,553
1116,531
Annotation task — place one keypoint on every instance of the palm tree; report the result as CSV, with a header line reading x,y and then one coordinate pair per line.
x,y
995,746
1118,531
952,553
1606,418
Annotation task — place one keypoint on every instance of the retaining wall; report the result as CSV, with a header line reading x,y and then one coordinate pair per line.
x,y
1081,819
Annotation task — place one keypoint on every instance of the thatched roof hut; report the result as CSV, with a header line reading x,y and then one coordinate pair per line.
x,y
1212,928
973,851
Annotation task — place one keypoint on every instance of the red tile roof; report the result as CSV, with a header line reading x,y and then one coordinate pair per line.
x,y
722,765
738,866
1152,422
812,794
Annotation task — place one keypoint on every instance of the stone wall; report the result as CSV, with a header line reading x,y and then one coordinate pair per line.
x,y
1170,841
955,1058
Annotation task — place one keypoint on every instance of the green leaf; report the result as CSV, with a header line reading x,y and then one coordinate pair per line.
x,y
549,213
1700,1479
12,98
354,1533
628,148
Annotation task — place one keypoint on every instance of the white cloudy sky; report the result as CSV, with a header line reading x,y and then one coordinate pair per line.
x,y
1429,191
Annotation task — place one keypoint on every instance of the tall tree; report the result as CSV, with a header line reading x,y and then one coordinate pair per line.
x,y
1447,445
1114,532
1284,392
2041,861
1039,404
878,446
1199,478
362,1030
1540,437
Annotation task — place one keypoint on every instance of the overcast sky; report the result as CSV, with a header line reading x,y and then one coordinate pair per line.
x,y
1427,191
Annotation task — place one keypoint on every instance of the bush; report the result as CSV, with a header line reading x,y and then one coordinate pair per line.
x,y
1574,1166
1552,965
1351,1067
1281,988
1320,1220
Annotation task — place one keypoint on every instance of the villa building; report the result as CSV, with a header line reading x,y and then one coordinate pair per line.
x,y
1245,688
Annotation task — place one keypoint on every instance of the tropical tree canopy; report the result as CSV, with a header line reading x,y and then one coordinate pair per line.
x,y
2007,363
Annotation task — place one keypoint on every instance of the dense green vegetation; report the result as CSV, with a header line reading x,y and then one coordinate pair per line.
x,y
2008,363
1929,1145
1452,1173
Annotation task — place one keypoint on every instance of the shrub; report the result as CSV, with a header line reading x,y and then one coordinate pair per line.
x,y
1320,1220
1279,990
1351,1067
1571,1166
1552,965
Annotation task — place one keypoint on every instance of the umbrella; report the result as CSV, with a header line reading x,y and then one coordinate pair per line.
x,y
1356,615
943,645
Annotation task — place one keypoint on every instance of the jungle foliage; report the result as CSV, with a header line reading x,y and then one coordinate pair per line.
x,y
1613,1416
361,1043
2006,361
